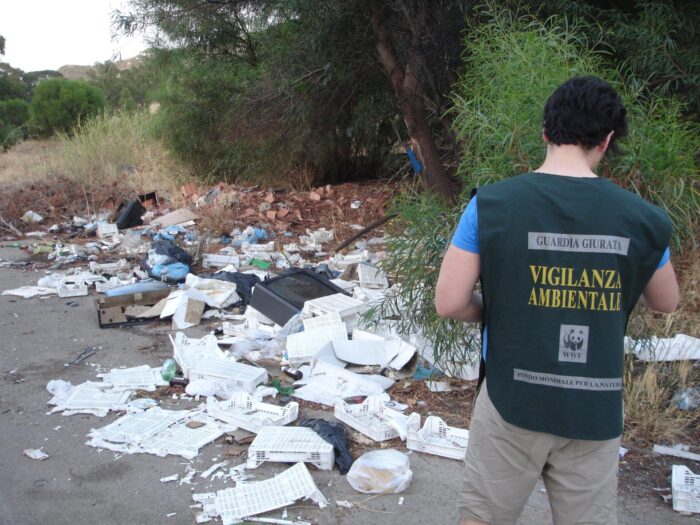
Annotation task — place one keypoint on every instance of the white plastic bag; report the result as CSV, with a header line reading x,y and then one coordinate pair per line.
x,y
381,472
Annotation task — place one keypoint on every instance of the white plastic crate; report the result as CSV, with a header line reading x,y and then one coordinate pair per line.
x,y
106,229
242,411
371,276
93,396
372,417
685,487
187,352
181,440
103,286
339,303
290,445
72,286
302,346
249,499
321,321
137,427
343,284
214,260
136,378
237,376
436,437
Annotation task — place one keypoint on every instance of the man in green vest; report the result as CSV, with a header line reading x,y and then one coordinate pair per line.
x,y
563,257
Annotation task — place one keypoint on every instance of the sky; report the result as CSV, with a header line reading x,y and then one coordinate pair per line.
x,y
48,34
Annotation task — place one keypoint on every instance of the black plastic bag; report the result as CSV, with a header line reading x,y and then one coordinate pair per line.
x,y
333,433
172,250
244,283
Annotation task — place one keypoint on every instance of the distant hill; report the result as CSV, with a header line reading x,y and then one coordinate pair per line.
x,y
75,72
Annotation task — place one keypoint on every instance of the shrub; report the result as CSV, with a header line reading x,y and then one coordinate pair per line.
x,y
14,113
59,104
499,124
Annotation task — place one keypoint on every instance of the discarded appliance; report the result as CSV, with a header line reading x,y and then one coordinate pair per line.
x,y
280,298
290,445
685,487
112,311
373,418
241,410
249,499
436,437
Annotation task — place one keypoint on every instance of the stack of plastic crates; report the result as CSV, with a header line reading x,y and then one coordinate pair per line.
x,y
187,352
290,445
371,417
241,410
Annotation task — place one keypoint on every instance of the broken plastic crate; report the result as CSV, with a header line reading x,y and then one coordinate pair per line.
x,y
685,487
136,378
92,397
181,440
236,376
436,437
189,351
280,298
290,445
242,411
371,417
135,428
303,346
249,499
72,286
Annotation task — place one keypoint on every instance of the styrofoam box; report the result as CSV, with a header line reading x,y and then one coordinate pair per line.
x,y
235,375
685,487
290,445
340,303
251,415
436,437
371,417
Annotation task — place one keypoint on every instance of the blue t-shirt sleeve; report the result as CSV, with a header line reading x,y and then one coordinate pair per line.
x,y
466,235
664,258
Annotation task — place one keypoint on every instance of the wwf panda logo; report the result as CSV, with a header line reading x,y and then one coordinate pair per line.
x,y
573,339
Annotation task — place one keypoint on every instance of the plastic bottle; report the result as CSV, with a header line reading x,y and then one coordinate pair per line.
x,y
169,369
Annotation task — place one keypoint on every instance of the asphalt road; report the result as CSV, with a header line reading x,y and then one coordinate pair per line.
x,y
79,484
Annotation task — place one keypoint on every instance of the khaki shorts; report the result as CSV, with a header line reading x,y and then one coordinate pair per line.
x,y
504,462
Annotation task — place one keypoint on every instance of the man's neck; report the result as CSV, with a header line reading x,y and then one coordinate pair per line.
x,y
568,161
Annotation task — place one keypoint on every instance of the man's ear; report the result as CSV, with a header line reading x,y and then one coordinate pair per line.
x,y
603,146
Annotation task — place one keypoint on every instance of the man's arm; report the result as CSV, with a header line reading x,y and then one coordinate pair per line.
x,y
454,293
661,293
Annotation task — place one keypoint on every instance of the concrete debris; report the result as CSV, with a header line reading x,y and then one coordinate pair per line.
x,y
679,451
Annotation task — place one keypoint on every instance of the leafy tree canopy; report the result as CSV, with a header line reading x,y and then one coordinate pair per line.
x,y
59,104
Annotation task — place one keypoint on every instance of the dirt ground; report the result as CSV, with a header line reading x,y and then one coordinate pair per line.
x,y
80,484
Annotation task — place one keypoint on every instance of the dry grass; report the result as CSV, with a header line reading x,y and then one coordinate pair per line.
x,y
650,417
109,151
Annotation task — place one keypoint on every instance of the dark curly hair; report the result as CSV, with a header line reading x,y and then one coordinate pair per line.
x,y
582,111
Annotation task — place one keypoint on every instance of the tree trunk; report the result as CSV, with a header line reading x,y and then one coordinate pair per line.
x,y
407,87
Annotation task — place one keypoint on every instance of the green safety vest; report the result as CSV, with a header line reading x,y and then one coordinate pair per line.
x,y
564,260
